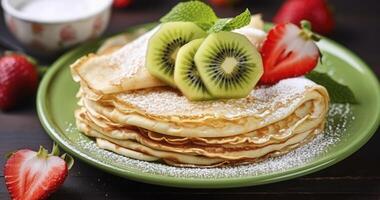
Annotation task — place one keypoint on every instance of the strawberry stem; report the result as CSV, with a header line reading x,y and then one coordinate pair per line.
x,y
9,154
305,25
42,153
306,31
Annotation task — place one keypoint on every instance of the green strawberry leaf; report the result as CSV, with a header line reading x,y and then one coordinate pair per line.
x,y
69,160
55,151
338,92
192,11
228,24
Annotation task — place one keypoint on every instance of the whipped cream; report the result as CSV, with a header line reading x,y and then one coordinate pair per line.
x,y
52,10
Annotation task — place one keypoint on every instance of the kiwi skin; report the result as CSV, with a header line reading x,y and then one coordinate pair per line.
x,y
163,48
186,75
229,65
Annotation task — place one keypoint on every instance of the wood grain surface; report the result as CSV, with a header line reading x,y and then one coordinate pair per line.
x,y
357,177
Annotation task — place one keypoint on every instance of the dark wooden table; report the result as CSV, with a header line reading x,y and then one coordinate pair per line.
x,y
357,177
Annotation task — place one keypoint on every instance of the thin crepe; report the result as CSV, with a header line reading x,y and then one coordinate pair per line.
x,y
291,113
143,149
165,111
112,71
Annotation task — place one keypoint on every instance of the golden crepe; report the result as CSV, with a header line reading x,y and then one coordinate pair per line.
x,y
133,114
273,120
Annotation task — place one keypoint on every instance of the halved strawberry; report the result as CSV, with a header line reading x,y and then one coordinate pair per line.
x,y
288,51
31,175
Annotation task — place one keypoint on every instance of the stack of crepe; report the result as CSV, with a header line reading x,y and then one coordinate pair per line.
x,y
131,113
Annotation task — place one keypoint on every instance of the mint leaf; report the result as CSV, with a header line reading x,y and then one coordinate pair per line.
x,y
192,11
203,15
239,21
230,24
339,93
219,25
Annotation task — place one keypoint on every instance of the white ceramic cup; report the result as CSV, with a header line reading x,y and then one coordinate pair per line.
x,y
55,34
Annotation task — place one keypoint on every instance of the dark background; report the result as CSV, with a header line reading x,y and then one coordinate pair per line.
x,y
357,177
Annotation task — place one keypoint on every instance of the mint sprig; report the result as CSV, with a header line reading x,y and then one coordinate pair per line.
x,y
192,11
338,92
203,15
230,24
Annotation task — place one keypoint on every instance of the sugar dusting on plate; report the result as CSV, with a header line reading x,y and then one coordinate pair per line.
x,y
338,119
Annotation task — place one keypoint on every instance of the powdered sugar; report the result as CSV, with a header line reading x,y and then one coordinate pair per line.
x,y
132,56
167,102
338,119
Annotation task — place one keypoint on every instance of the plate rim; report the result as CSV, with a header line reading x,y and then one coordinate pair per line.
x,y
322,162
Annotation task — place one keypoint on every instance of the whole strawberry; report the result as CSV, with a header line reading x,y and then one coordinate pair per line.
x,y
316,12
223,3
18,80
121,3
31,175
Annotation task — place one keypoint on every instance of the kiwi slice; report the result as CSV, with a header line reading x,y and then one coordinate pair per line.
x,y
186,75
163,47
229,65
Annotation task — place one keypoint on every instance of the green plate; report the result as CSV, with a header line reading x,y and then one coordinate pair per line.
x,y
56,103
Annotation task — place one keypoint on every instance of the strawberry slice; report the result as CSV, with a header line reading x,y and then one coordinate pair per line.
x,y
288,51
31,175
